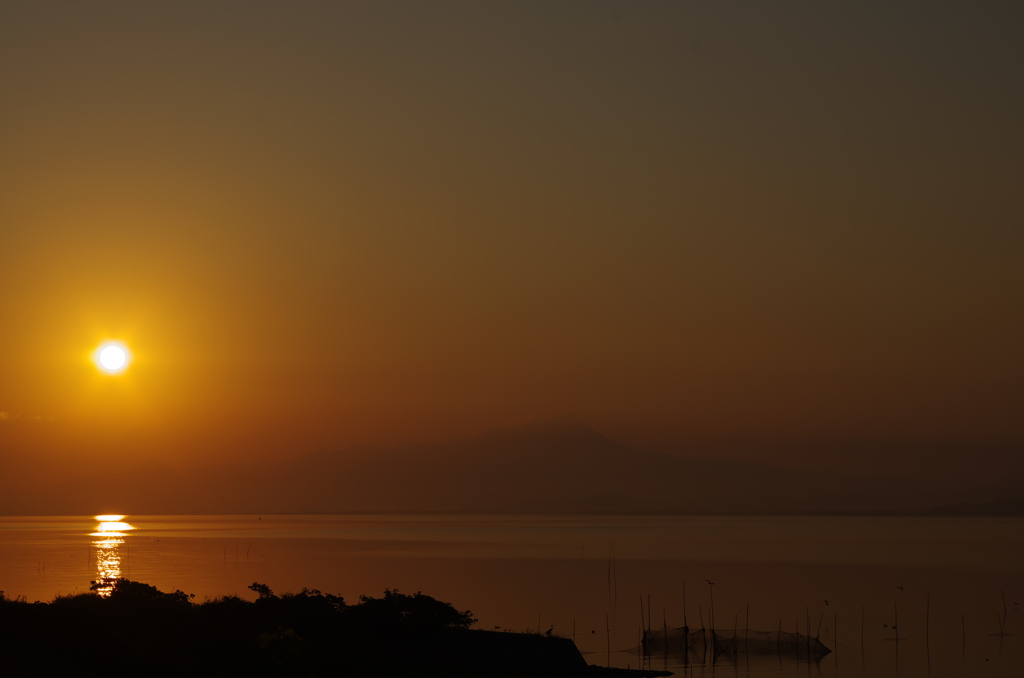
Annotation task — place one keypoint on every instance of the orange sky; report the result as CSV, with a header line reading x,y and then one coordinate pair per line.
x,y
325,224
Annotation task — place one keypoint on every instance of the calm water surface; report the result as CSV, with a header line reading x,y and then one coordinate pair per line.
x,y
953,585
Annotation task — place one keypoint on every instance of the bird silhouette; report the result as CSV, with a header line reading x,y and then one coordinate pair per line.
x,y
826,603
899,586
710,582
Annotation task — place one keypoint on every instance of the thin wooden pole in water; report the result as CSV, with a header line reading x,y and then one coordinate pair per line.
x,y
711,611
796,642
963,636
927,628
835,637
895,628
684,602
643,631
664,626
686,630
615,584
711,618
703,635
648,612
807,626
609,575
746,628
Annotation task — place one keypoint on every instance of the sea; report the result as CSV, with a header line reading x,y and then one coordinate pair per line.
x,y
889,596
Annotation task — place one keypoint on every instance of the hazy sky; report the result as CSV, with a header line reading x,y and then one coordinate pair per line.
x,y
318,224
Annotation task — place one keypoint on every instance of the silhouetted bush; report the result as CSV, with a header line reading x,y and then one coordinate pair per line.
x,y
416,614
139,630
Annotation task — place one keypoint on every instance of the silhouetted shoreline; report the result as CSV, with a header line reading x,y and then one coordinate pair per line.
x,y
125,627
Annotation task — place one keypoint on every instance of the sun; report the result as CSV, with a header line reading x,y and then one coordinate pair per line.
x,y
112,357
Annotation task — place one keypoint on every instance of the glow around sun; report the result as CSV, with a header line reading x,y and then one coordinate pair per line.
x,y
112,357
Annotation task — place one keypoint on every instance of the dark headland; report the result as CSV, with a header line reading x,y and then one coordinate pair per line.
x,y
135,629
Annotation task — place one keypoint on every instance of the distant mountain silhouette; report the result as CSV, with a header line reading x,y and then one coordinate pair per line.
x,y
555,466
1007,506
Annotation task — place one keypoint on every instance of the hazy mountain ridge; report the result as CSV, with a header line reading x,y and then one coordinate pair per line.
x,y
1003,507
560,466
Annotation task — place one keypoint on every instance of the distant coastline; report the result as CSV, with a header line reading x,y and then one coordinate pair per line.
x,y
1008,508
551,468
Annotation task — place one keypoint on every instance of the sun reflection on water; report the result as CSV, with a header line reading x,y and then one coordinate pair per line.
x,y
109,536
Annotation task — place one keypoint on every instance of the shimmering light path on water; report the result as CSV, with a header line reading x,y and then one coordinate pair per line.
x,y
944,578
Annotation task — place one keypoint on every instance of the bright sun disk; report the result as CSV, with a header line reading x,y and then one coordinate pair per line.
x,y
112,357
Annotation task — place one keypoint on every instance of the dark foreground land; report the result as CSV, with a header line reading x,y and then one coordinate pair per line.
x,y
139,630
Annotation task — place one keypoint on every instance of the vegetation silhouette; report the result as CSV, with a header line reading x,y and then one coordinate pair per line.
x,y
136,629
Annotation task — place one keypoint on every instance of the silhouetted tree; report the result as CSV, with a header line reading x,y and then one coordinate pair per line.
x,y
415,614
262,590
